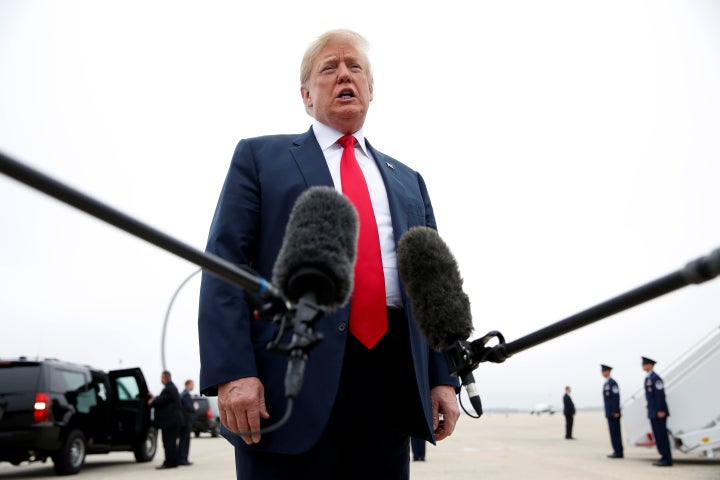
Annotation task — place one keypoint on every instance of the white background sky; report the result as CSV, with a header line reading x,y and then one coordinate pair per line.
x,y
571,150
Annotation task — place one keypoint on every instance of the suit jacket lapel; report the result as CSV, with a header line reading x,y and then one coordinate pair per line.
x,y
310,160
395,191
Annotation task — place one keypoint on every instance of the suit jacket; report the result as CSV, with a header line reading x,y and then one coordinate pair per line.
x,y
655,395
568,405
265,178
168,412
188,407
611,397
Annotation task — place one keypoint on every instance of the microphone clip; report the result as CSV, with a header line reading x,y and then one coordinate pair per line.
x,y
459,356
300,320
463,357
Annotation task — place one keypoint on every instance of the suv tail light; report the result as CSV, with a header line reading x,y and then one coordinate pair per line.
x,y
209,413
41,408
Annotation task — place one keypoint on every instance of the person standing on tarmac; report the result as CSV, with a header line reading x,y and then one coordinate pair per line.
x,y
168,418
611,398
569,412
657,412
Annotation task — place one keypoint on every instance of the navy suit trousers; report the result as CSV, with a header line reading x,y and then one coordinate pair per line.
x,y
368,434
659,428
615,435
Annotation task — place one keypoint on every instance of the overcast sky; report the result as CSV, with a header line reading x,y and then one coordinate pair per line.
x,y
571,150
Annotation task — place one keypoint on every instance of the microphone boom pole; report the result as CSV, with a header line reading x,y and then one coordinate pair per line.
x,y
299,316
695,272
207,261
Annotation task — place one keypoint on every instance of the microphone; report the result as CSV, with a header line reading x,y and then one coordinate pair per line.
x,y
432,279
317,256
314,270
440,306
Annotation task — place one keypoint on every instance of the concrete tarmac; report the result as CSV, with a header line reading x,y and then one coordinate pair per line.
x,y
496,446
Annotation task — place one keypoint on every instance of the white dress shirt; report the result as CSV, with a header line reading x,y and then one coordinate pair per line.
x,y
327,137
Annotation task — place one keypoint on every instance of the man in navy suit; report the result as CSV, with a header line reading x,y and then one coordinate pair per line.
x,y
358,406
657,412
611,398
569,412
188,408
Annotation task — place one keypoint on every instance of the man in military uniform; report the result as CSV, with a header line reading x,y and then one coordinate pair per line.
x,y
657,412
611,397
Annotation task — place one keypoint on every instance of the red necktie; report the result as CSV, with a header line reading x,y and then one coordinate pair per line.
x,y
368,312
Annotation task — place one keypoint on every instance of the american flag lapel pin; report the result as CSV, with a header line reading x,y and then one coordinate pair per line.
x,y
390,165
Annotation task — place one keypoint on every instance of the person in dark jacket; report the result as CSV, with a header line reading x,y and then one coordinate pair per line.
x,y
569,412
373,381
168,418
417,445
657,412
611,398
188,410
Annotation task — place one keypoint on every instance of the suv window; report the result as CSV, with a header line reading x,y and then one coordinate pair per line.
x,y
101,392
19,378
201,406
85,401
127,388
67,380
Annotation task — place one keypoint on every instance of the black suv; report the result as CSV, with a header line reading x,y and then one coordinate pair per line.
x,y
60,410
207,418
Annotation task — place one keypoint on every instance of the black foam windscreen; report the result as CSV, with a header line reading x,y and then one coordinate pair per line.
x,y
318,252
432,281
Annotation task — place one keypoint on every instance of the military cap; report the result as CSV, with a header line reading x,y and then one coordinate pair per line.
x,y
648,361
605,368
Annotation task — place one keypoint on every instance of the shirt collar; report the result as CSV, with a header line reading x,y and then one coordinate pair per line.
x,y
328,136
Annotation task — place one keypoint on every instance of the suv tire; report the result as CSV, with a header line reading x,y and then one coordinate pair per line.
x,y
145,450
70,458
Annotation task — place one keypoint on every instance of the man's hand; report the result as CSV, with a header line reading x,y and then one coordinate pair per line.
x,y
241,404
444,403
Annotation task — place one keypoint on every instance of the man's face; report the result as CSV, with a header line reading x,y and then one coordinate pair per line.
x,y
606,373
647,367
338,92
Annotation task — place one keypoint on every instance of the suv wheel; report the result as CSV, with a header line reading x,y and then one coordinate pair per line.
x,y
70,458
215,432
145,450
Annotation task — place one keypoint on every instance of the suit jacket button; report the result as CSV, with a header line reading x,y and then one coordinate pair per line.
x,y
342,326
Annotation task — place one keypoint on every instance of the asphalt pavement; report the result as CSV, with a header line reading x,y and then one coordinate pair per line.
x,y
497,446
